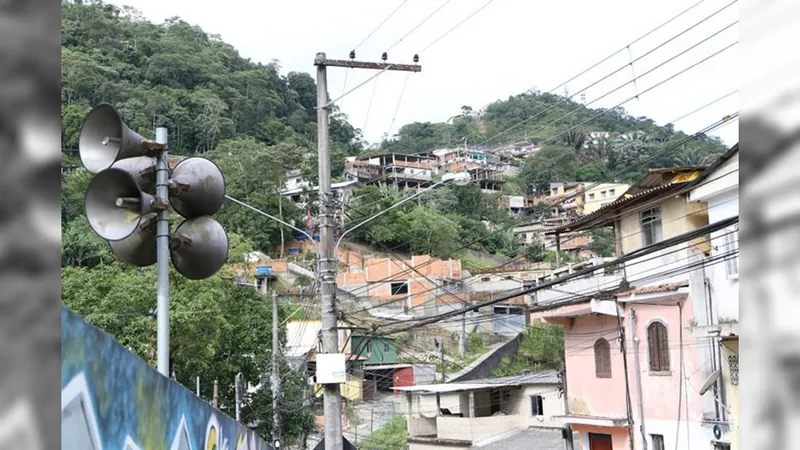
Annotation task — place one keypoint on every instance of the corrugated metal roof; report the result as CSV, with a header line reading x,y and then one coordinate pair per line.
x,y
549,377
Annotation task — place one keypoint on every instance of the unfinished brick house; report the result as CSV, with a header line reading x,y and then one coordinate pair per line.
x,y
416,286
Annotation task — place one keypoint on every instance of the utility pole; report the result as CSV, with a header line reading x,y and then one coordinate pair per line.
x,y
237,387
441,356
332,396
276,375
567,429
622,342
215,398
637,374
463,346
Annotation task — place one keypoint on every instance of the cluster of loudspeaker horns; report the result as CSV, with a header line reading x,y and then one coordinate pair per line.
x,y
122,208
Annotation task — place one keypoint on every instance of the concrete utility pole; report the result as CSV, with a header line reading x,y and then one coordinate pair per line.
x,y
332,396
568,441
237,386
215,397
276,375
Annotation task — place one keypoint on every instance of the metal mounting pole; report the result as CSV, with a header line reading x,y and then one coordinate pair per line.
x,y
276,375
162,255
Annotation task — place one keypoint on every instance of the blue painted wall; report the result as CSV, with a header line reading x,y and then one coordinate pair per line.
x,y
112,400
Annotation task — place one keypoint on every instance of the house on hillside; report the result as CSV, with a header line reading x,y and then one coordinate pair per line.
x,y
400,170
636,313
302,337
717,316
508,317
463,415
419,285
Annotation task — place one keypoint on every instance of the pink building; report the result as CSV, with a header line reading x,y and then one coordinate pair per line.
x,y
634,372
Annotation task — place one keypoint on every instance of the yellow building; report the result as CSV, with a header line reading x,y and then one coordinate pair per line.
x,y
598,196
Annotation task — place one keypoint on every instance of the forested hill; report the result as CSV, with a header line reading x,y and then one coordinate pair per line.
x,y
176,75
561,127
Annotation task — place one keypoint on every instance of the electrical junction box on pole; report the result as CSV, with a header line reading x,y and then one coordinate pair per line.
x,y
331,368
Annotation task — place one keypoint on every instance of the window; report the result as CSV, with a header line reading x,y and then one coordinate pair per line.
x,y
400,288
537,405
485,279
658,441
658,347
602,359
368,348
651,226
603,194
731,247
591,196
611,191
387,347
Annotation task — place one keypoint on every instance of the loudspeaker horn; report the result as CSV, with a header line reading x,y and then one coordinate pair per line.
x,y
115,205
199,248
105,139
197,188
138,249
142,169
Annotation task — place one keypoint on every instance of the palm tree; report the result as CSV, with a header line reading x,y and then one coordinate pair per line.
x,y
574,138
598,150
693,157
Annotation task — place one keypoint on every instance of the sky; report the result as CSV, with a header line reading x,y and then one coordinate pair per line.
x,y
507,48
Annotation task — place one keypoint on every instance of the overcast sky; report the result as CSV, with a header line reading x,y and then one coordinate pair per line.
x,y
505,49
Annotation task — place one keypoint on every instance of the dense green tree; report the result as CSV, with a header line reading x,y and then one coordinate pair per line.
x,y
549,165
602,242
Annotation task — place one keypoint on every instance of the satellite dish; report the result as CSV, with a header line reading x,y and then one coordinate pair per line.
x,y
709,382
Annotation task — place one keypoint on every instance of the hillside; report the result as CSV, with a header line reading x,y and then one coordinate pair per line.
x,y
561,128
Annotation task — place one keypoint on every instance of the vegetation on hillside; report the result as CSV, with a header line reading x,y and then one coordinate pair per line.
x,y
542,348
561,127
391,436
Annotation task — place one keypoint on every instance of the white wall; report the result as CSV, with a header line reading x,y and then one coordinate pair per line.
x,y
725,290
552,405
696,436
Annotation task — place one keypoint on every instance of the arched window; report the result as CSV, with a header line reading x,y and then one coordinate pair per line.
x,y
658,347
602,359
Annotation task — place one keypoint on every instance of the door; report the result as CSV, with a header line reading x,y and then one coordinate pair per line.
x,y
600,442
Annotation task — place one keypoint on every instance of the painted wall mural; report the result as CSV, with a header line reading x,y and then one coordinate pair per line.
x,y
112,400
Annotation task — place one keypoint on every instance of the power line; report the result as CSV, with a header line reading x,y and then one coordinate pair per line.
x,y
397,108
593,185
625,47
418,25
474,13
380,25
630,256
583,106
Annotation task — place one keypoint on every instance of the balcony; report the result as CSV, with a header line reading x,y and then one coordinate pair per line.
x,y
459,431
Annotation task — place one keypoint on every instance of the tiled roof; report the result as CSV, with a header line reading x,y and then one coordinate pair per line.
x,y
617,204
652,289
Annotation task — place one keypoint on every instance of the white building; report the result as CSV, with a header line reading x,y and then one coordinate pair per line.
x,y
717,285
463,415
